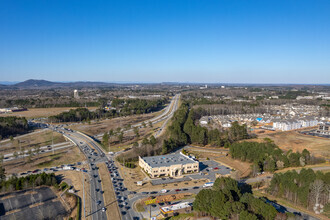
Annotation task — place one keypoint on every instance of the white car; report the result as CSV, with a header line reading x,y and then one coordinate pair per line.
x,y
163,191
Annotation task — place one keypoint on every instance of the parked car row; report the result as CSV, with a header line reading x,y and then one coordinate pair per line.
x,y
55,169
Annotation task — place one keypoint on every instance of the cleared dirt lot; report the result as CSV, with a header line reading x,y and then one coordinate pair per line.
x,y
105,125
64,156
26,142
41,112
292,140
109,194
76,179
129,139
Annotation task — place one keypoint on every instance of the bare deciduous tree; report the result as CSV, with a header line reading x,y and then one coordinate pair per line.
x,y
316,190
327,188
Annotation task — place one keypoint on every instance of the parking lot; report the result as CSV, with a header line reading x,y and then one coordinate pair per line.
x,y
314,133
19,205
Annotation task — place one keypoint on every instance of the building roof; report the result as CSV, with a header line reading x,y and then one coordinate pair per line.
x,y
168,160
175,207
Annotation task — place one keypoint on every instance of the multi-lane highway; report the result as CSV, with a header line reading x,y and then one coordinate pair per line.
x,y
94,156
164,116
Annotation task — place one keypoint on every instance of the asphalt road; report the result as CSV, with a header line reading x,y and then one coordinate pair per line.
x,y
166,115
94,157
44,149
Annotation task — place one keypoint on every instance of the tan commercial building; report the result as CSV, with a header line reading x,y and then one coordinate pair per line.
x,y
173,165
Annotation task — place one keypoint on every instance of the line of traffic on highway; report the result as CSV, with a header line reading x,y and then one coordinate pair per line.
x,y
93,157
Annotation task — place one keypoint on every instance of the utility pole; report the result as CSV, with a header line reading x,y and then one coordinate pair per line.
x,y
83,176
53,141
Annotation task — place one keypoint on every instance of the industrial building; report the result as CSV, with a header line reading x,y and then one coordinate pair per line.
x,y
173,165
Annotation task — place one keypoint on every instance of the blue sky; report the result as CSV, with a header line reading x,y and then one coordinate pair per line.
x,y
230,41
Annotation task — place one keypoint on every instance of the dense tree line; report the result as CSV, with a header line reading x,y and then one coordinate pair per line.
x,y
50,103
185,129
306,188
10,126
137,106
15,183
125,107
79,114
293,94
226,200
268,157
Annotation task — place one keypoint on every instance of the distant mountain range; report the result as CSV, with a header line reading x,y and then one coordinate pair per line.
x,y
43,84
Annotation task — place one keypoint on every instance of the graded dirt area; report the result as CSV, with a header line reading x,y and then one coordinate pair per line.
x,y
41,112
106,125
64,156
292,140
76,179
129,139
109,194
39,138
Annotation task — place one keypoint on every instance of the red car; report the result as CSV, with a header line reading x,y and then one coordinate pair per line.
x,y
215,168
177,190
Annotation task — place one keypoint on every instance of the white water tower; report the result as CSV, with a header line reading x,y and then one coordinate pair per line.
x,y
76,94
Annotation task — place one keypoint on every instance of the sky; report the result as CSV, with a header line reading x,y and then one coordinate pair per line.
x,y
207,41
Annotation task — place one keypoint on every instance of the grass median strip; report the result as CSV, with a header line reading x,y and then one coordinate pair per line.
x,y
109,194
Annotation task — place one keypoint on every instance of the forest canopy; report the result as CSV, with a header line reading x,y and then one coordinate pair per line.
x,y
12,125
227,200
